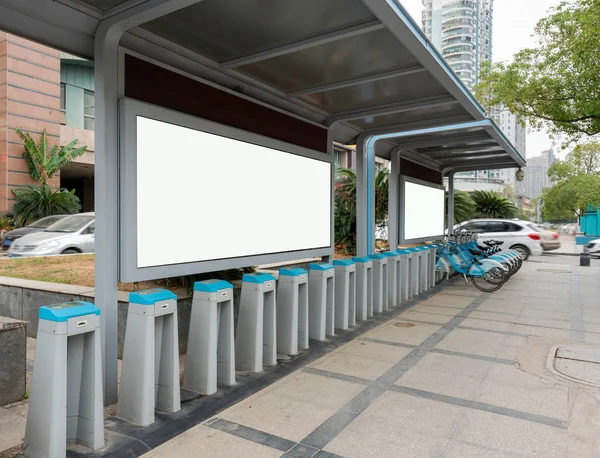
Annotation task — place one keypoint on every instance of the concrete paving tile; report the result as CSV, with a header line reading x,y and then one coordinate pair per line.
x,y
204,441
507,352
591,337
462,290
515,341
458,449
474,368
475,342
512,435
357,366
373,442
433,317
526,330
549,402
449,300
450,384
437,309
547,314
504,322
278,415
512,374
20,408
371,350
398,425
590,291
414,335
12,429
316,389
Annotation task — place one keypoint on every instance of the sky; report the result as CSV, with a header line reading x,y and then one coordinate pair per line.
x,y
514,22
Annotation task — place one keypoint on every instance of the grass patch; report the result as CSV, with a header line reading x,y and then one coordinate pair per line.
x,y
70,270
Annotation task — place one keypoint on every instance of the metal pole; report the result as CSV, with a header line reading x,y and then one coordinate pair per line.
x,y
394,201
450,203
107,199
361,198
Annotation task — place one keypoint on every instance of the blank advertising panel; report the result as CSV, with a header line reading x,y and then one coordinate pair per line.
x,y
203,196
423,211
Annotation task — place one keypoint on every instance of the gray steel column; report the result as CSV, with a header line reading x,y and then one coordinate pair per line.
x,y
450,202
361,198
393,201
106,198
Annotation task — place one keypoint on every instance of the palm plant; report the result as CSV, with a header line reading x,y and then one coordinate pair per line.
x,y
463,206
44,162
36,201
491,205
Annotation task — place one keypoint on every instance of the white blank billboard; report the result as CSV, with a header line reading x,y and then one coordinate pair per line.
x,y
202,196
423,211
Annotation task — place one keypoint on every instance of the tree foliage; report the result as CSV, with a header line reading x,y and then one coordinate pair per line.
x,y
491,205
557,84
345,205
35,202
463,206
44,161
584,159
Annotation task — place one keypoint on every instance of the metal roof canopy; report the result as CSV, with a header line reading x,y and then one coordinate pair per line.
x,y
355,65
361,69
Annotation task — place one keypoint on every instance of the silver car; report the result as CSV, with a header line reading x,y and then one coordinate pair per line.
x,y
73,234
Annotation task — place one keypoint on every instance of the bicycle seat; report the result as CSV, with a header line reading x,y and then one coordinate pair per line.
x,y
475,252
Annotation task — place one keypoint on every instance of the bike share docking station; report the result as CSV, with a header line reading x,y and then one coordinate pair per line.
x,y
394,278
345,293
256,336
66,402
364,288
380,283
150,371
321,307
211,350
292,311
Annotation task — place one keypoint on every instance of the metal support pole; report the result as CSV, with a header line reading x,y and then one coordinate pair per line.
x,y
361,199
107,198
450,202
394,201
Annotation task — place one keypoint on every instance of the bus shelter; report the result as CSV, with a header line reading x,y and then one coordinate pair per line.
x,y
292,76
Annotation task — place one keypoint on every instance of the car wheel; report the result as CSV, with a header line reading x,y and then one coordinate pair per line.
x,y
70,251
522,250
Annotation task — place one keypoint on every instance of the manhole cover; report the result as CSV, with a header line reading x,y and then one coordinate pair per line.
x,y
404,325
578,363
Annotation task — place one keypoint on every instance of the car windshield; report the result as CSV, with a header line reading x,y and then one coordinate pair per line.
x,y
46,222
71,224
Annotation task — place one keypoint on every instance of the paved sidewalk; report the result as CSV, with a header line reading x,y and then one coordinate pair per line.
x,y
463,374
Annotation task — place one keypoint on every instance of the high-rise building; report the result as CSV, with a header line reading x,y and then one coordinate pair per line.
x,y
516,133
461,30
536,175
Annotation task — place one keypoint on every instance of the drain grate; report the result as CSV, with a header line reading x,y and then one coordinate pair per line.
x,y
581,364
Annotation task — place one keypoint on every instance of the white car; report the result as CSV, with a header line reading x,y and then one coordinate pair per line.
x,y
593,248
518,235
73,234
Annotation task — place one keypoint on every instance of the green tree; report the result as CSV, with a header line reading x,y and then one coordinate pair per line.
x,y
36,201
491,205
557,84
584,159
345,205
572,196
463,206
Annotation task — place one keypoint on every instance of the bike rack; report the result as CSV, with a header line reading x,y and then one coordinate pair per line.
x,y
380,283
321,305
364,288
292,311
345,293
394,278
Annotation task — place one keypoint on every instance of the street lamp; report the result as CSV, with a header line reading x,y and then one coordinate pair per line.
x,y
520,175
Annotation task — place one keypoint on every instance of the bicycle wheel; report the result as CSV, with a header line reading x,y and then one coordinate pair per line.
x,y
440,277
491,281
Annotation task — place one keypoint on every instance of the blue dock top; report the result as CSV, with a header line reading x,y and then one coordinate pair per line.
x,y
257,277
63,311
343,262
151,296
293,272
320,266
376,256
211,286
364,259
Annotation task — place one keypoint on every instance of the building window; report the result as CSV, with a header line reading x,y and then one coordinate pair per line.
x,y
337,157
63,98
89,110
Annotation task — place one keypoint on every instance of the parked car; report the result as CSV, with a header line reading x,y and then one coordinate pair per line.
x,y
593,248
518,235
549,239
73,234
38,226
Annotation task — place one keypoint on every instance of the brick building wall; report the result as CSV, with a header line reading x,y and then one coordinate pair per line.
x,y
29,100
